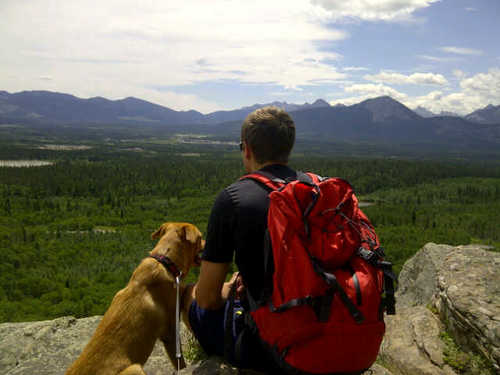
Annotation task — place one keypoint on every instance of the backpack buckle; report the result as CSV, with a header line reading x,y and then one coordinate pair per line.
x,y
368,255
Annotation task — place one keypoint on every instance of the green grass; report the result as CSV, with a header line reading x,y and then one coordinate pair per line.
x,y
463,362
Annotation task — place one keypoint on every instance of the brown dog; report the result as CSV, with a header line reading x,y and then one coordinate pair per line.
x,y
144,310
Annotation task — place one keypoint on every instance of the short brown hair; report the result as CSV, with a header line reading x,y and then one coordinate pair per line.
x,y
270,133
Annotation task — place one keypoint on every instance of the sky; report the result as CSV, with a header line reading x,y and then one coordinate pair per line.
x,y
213,55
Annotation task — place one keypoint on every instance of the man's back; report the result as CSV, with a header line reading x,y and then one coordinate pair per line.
x,y
238,223
237,226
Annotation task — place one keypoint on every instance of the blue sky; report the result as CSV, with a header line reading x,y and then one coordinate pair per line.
x,y
213,55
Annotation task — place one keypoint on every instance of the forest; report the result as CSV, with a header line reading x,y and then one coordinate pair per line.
x,y
72,232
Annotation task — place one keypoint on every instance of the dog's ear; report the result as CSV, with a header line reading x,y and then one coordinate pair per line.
x,y
160,232
191,234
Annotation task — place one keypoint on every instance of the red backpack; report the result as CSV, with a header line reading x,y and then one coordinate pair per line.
x,y
323,310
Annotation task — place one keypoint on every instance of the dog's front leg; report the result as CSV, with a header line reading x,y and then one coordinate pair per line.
x,y
188,296
133,370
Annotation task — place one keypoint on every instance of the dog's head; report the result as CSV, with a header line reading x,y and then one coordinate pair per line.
x,y
181,242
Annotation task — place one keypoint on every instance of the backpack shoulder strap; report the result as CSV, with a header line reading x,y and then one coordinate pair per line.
x,y
276,183
266,179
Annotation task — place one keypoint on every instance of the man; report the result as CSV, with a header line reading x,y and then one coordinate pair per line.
x,y
237,226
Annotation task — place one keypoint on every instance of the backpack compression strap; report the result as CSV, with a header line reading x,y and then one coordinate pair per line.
x,y
375,258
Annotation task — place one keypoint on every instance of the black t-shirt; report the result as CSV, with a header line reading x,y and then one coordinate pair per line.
x,y
237,225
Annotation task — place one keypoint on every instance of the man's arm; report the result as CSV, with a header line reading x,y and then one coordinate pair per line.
x,y
210,290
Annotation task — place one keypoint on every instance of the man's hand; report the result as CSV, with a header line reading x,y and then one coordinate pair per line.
x,y
240,288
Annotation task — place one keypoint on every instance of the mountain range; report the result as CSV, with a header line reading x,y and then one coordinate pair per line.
x,y
381,119
46,106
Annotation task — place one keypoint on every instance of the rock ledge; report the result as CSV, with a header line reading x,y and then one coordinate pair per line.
x,y
442,288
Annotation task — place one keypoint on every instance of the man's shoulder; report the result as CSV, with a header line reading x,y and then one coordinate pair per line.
x,y
246,187
241,185
227,196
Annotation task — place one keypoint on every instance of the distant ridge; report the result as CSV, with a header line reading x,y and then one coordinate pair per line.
x,y
60,107
65,108
240,114
377,120
487,115
386,108
424,112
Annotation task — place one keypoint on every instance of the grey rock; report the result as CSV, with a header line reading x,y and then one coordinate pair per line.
x,y
49,347
418,278
412,344
456,289
462,285
468,298
216,366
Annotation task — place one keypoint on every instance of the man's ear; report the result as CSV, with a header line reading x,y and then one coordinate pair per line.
x,y
192,234
247,150
160,231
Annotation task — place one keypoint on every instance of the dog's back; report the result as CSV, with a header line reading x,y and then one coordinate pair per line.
x,y
126,333
141,312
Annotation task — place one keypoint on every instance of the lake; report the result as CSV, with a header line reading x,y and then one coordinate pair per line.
x,y
25,163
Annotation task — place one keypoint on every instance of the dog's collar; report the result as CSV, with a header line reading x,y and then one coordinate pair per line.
x,y
168,264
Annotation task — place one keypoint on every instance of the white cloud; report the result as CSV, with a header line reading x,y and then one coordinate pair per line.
x,y
439,59
457,102
470,9
459,73
412,79
354,69
431,101
462,51
373,10
475,92
484,85
375,90
120,47
280,94
367,91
